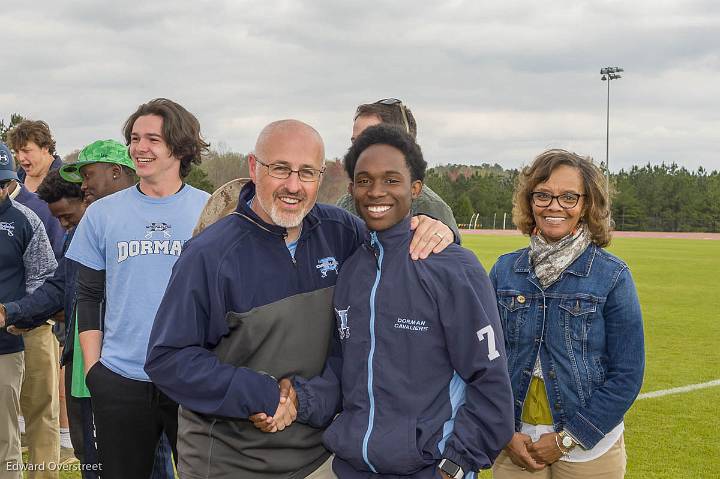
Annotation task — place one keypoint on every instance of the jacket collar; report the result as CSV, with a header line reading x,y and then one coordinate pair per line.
x,y
310,222
394,236
580,267
24,195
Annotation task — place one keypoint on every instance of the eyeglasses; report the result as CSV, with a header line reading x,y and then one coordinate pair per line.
x,y
399,103
566,200
283,172
4,184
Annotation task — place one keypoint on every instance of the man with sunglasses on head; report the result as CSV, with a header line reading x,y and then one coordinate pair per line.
x,y
392,111
250,302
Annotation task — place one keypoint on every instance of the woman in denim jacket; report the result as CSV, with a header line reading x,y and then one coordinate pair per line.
x,y
573,326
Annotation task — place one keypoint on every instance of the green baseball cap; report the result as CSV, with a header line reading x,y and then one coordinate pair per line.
x,y
101,151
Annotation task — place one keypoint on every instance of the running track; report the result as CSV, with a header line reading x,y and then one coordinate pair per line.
x,y
619,234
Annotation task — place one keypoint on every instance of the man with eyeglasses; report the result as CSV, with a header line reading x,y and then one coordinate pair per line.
x,y
254,291
26,260
392,111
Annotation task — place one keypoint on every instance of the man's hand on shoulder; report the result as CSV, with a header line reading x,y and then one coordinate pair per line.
x,y
431,236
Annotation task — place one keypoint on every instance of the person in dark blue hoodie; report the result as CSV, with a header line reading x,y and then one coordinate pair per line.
x,y
417,377
65,201
35,154
26,260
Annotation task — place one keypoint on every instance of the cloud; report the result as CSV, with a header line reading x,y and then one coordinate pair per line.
x,y
487,81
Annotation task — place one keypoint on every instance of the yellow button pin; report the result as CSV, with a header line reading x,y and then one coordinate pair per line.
x,y
521,299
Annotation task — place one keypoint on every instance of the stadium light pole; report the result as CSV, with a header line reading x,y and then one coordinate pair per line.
x,y
608,74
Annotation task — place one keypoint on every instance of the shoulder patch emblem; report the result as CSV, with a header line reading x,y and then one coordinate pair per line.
x,y
342,322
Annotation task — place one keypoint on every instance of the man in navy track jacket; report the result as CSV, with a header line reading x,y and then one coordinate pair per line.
x,y
249,301
418,372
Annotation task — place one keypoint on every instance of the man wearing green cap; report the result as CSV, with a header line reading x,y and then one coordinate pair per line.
x,y
103,167
127,244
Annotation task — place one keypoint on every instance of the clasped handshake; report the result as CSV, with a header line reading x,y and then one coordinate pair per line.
x,y
284,415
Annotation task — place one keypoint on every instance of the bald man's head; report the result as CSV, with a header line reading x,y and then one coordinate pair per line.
x,y
290,132
286,167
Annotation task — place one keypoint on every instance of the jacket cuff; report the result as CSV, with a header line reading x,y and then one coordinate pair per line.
x,y
303,399
585,432
452,455
12,310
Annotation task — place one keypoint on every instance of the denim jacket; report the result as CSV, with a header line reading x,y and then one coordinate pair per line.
x,y
588,329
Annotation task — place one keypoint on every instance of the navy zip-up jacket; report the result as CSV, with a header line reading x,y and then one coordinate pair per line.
x,y
420,361
26,260
238,312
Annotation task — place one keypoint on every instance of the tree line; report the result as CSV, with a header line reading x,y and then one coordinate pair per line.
x,y
644,198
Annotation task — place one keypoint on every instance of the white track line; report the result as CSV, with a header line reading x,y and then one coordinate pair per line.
x,y
681,389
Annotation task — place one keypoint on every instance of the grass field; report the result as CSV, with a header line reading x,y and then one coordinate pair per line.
x,y
677,280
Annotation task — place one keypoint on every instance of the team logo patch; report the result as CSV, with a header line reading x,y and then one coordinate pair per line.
x,y
9,228
157,228
325,265
4,159
342,322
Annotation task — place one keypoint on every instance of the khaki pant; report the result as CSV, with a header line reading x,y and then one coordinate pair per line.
x,y
610,465
11,376
323,472
39,401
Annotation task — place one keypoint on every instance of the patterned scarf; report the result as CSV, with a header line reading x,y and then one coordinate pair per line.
x,y
551,259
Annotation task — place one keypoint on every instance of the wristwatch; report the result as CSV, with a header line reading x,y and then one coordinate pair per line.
x,y
566,440
451,469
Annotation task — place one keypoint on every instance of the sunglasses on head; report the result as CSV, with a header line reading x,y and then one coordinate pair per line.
x,y
395,101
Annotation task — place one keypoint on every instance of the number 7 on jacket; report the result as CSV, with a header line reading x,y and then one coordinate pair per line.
x,y
492,351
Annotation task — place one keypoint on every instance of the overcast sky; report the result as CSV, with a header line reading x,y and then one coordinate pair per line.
x,y
488,81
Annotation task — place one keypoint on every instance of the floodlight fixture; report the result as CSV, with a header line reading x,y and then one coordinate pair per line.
x,y
608,74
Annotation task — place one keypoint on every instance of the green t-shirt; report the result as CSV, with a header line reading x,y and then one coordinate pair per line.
x,y
78,388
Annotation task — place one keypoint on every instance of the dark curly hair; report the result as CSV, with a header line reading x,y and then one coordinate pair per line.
x,y
54,188
384,134
28,130
596,207
181,131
